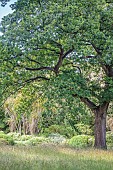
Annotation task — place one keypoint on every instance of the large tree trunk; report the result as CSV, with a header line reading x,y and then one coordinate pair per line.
x,y
100,122
100,129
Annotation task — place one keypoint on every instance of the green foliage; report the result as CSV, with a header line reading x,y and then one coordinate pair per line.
x,y
10,141
83,129
38,140
67,42
60,129
31,140
33,40
24,137
4,2
4,138
81,141
57,138
109,139
1,133
23,111
3,124
14,134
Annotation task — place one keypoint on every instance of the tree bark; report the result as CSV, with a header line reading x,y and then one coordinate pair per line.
x,y
100,130
100,126
100,113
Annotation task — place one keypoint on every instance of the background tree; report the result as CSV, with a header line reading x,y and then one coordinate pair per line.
x,y
24,111
71,40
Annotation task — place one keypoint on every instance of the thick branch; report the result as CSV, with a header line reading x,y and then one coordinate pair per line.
x,y
108,70
59,63
40,68
61,58
103,108
88,102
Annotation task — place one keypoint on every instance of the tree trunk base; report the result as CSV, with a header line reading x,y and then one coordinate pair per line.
x,y
100,129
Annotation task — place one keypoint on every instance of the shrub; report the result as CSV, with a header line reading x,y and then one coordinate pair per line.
x,y
109,139
6,139
30,140
60,129
14,135
81,141
2,134
83,129
37,140
10,141
25,137
57,138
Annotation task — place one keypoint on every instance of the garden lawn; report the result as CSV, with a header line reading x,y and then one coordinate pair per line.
x,y
50,157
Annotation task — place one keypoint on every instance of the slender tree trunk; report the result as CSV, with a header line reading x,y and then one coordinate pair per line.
x,y
100,129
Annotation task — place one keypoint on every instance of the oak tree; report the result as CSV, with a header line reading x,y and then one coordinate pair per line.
x,y
67,42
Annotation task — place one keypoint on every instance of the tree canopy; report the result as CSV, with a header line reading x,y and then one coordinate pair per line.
x,y
67,42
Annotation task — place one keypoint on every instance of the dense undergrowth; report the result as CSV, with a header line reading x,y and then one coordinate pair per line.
x,y
77,141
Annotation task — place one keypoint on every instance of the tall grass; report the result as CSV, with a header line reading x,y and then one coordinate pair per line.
x,y
48,157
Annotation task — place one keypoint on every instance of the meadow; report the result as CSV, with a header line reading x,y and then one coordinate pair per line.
x,y
53,157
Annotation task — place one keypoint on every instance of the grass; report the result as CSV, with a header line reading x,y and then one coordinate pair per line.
x,y
50,157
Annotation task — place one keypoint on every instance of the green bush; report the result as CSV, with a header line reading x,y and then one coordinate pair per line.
x,y
81,141
31,140
25,137
6,139
2,134
57,138
83,129
109,139
14,135
37,140
60,129
10,141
